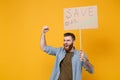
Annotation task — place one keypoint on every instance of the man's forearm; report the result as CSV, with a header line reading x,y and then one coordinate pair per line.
x,y
43,38
42,41
89,66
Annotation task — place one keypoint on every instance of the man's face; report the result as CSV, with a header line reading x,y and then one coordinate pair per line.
x,y
68,43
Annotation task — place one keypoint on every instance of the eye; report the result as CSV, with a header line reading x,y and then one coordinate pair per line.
x,y
68,40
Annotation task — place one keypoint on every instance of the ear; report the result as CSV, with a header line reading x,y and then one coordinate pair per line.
x,y
73,41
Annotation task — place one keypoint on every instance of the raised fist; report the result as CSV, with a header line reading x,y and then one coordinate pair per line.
x,y
45,29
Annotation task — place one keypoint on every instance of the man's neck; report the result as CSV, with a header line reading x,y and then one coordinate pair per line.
x,y
72,49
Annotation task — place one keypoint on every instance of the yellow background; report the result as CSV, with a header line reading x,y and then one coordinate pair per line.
x,y
20,29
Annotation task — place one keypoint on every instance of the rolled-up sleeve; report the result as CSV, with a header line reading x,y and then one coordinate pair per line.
x,y
51,50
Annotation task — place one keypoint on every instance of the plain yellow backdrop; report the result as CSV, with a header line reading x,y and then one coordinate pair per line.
x,y
20,29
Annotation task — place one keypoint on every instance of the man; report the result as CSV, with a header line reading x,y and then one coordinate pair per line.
x,y
69,61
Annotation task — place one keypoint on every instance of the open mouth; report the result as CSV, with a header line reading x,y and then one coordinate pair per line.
x,y
66,46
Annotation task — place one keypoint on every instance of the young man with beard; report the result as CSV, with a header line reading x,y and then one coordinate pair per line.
x,y
69,61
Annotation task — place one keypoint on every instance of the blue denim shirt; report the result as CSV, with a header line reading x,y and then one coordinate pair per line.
x,y
76,63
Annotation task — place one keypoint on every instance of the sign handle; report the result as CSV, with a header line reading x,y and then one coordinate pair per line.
x,y
80,34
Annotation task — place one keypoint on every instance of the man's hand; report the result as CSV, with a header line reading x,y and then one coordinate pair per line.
x,y
45,29
82,56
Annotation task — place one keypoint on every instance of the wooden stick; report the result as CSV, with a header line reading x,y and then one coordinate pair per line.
x,y
80,33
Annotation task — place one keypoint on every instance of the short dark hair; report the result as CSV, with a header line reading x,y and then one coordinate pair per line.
x,y
70,34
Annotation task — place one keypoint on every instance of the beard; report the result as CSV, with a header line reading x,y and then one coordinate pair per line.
x,y
68,47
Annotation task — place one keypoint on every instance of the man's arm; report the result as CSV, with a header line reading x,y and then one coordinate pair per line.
x,y
48,49
43,38
87,65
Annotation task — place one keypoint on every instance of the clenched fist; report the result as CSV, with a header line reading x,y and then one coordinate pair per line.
x,y
45,29
82,56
